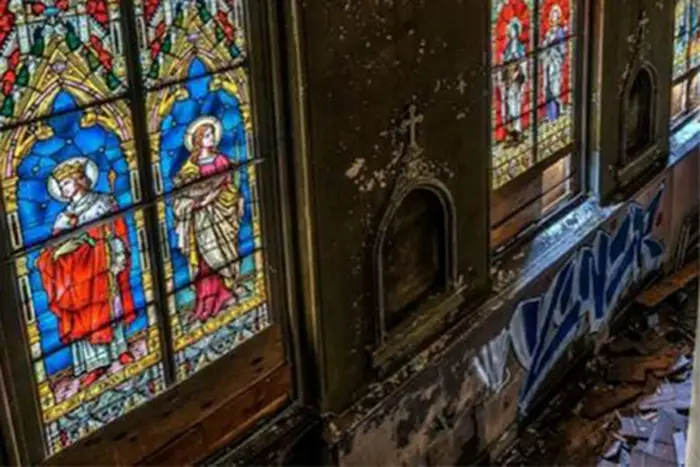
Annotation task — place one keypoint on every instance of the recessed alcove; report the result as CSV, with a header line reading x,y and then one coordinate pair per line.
x,y
638,126
413,254
414,259
639,117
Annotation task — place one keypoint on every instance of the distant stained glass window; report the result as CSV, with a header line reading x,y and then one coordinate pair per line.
x,y
686,60
532,81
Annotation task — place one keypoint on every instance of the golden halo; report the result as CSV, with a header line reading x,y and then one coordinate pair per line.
x,y
213,121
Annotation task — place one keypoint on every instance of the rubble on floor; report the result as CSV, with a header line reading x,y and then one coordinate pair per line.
x,y
627,407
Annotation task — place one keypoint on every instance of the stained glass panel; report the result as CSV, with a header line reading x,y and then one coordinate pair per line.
x,y
511,120
555,128
54,45
52,170
511,30
214,266
91,328
556,21
202,155
176,31
694,32
556,73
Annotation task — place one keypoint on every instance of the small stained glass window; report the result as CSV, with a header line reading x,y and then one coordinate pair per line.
x,y
534,45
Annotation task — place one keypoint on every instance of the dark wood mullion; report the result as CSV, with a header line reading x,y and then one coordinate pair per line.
x,y
142,147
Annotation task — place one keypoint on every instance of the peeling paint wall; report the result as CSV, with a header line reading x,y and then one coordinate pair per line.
x,y
469,390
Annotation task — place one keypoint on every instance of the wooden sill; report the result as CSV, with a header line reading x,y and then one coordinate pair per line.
x,y
631,172
425,322
194,418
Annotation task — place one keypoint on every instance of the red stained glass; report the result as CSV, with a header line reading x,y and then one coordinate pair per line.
x,y
511,30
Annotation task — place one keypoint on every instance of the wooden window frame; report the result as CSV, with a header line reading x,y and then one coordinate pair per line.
x,y
191,418
511,224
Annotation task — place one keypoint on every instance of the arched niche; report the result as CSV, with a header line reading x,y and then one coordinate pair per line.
x,y
414,254
638,117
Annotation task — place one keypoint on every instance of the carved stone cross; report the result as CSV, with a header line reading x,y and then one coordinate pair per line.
x,y
413,120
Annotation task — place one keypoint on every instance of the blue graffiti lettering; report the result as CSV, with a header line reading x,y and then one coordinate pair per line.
x,y
584,293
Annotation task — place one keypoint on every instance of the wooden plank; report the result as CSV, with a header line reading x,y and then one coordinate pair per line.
x,y
506,201
228,422
658,292
147,429
527,216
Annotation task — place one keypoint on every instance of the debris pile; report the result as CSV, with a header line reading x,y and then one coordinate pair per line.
x,y
628,406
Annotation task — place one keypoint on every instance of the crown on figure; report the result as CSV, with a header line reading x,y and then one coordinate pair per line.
x,y
70,169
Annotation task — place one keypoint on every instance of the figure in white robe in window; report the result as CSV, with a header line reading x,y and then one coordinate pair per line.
x,y
553,59
511,82
207,220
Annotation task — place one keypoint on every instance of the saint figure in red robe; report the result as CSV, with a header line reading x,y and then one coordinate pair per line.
x,y
86,275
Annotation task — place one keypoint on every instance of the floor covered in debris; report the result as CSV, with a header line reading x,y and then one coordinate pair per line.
x,y
629,406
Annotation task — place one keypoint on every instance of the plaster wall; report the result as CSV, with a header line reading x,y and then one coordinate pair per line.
x,y
551,304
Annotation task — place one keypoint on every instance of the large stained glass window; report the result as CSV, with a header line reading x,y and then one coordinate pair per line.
x,y
204,163
80,222
532,107
685,94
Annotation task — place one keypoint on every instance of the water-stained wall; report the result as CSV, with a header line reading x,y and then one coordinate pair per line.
x,y
459,397
392,95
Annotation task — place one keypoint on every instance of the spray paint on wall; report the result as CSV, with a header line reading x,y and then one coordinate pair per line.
x,y
579,300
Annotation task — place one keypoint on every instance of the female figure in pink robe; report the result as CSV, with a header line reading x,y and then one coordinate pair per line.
x,y
207,220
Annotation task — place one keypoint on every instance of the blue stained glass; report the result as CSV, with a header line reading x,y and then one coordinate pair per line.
x,y
201,102
68,140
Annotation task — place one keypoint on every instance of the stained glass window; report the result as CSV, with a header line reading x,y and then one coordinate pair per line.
x,y
175,32
533,73
95,301
203,160
50,44
686,60
85,286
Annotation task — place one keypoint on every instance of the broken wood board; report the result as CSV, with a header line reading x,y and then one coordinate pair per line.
x,y
634,369
601,402
658,292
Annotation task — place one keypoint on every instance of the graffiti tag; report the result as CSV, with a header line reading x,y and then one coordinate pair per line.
x,y
582,295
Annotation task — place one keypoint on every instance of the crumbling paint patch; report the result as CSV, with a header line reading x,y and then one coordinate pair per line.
x,y
355,168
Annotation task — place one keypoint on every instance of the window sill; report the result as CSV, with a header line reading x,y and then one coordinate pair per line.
x,y
277,441
428,320
683,140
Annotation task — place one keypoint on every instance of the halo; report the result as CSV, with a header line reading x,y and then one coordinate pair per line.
x,y
213,121
91,173
556,8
